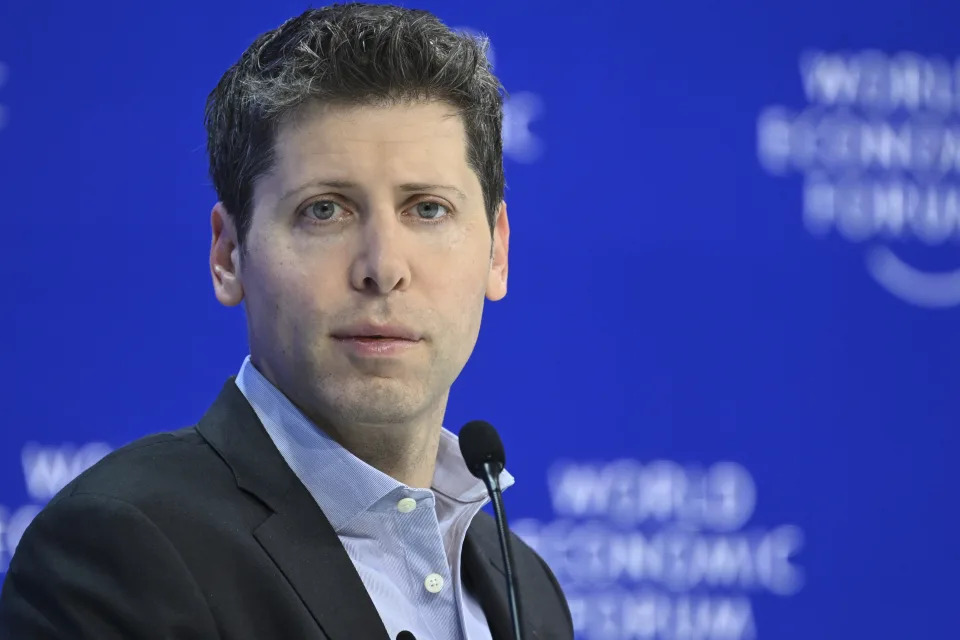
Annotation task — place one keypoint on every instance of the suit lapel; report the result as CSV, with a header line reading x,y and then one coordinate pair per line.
x,y
296,535
484,575
487,583
306,549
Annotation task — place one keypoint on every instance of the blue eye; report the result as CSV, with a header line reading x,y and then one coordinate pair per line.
x,y
431,210
323,209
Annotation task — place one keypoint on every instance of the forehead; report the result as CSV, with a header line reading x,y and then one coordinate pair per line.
x,y
410,142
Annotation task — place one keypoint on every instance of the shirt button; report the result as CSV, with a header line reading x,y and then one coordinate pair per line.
x,y
406,505
434,583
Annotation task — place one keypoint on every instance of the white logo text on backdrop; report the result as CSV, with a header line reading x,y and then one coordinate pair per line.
x,y
662,551
878,146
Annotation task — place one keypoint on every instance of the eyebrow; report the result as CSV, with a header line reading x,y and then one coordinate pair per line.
x,y
407,187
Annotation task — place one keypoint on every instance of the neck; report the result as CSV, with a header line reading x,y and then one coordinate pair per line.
x,y
406,452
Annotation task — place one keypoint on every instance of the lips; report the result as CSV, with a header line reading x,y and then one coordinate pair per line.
x,y
377,343
373,332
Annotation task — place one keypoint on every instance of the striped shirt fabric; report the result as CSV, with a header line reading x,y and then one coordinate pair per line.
x,y
405,543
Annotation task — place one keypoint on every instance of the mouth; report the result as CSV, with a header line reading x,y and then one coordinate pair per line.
x,y
377,341
376,346
375,333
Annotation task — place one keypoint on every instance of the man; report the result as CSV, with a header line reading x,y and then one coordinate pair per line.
x,y
356,154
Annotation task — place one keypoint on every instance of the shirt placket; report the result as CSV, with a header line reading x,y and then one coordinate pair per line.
x,y
431,582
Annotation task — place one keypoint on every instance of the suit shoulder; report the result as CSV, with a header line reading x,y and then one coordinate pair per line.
x,y
485,527
150,467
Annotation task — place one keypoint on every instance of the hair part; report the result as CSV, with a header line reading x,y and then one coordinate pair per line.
x,y
349,55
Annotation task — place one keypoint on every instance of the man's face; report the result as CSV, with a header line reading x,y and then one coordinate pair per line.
x,y
371,222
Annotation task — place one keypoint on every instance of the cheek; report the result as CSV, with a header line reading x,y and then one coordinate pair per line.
x,y
460,292
285,283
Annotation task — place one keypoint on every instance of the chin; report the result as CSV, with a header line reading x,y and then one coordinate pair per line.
x,y
377,413
378,400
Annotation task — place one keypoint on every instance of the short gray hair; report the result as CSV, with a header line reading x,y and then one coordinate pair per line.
x,y
349,54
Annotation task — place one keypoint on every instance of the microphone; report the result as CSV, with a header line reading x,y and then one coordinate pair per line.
x,y
482,450
405,635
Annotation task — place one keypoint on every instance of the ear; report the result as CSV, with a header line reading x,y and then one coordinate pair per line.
x,y
225,257
497,278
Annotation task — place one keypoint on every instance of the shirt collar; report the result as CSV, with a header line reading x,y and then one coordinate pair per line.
x,y
343,485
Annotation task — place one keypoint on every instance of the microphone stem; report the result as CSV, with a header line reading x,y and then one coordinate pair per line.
x,y
491,478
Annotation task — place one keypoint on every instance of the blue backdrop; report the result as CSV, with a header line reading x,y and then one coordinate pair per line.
x,y
727,368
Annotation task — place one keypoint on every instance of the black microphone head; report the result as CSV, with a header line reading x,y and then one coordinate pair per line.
x,y
480,443
405,635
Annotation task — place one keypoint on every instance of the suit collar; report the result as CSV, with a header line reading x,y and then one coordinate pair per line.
x,y
296,535
232,428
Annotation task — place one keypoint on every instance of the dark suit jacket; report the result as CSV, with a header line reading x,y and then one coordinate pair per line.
x,y
207,533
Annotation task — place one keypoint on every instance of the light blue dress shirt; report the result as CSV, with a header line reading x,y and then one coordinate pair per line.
x,y
405,543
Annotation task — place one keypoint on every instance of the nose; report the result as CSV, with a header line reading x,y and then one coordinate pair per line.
x,y
380,265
